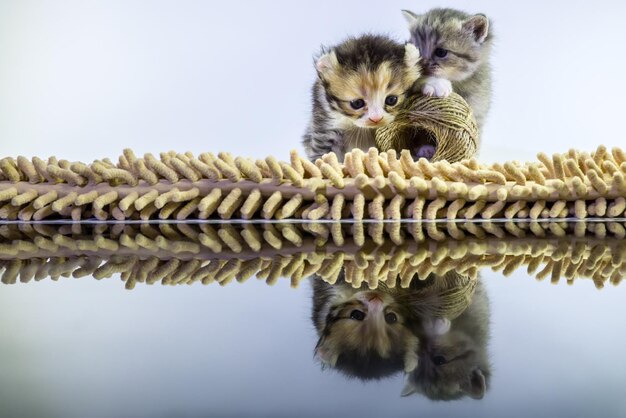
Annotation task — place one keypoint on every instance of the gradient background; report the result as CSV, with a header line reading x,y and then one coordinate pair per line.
x,y
85,79
88,348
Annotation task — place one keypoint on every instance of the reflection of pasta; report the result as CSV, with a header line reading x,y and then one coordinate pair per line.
x,y
369,185
368,253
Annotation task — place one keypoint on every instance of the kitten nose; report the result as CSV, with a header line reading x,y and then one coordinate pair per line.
x,y
375,114
375,303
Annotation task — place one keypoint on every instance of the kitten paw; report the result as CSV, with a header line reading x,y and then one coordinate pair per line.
x,y
438,87
437,326
425,151
441,325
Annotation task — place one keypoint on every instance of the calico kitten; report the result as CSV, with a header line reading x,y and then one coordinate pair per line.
x,y
453,361
361,85
455,49
363,333
375,333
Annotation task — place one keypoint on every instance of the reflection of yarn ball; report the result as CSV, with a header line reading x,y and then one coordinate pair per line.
x,y
448,124
446,296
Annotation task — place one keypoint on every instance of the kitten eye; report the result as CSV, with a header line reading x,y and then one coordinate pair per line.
x,y
439,360
441,53
357,103
357,315
391,100
391,318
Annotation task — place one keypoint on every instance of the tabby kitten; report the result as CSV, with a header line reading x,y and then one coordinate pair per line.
x,y
361,85
455,49
363,333
453,360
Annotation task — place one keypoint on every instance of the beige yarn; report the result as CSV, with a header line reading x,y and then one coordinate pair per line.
x,y
449,122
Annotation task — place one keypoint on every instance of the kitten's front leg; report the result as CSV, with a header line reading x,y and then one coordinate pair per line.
x,y
318,143
436,86
426,151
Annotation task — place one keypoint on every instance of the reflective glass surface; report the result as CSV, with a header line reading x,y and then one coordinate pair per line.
x,y
311,319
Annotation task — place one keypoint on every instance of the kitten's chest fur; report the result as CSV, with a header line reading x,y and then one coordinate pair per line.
x,y
476,90
361,138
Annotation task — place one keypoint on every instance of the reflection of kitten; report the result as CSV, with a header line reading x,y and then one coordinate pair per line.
x,y
455,49
364,333
360,87
453,354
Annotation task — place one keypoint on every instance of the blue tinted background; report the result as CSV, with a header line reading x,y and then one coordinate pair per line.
x,y
85,79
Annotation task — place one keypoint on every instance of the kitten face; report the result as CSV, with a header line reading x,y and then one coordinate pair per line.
x,y
453,357
366,79
365,333
450,367
452,44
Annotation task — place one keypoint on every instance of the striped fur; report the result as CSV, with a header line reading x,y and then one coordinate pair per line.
x,y
371,68
369,348
454,361
468,40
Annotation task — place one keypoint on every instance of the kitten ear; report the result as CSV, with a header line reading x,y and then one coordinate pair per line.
x,y
326,356
411,55
476,385
326,63
409,16
477,25
409,388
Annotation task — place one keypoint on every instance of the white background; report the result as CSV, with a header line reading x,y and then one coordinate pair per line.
x,y
85,79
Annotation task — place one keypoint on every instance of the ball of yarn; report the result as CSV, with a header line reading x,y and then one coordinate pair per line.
x,y
443,296
447,123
